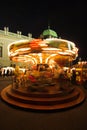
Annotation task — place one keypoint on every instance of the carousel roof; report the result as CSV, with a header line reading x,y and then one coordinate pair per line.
x,y
41,50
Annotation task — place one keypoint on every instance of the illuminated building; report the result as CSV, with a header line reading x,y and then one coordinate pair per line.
x,y
7,37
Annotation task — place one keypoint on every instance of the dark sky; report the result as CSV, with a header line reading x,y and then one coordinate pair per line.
x,y
67,18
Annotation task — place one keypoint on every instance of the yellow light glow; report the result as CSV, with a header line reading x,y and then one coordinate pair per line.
x,y
46,50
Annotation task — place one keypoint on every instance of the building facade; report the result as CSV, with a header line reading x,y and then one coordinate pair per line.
x,y
7,37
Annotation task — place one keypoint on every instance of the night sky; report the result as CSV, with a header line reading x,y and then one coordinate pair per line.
x,y
67,18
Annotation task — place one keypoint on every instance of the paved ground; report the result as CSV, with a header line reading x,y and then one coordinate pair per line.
x,y
12,118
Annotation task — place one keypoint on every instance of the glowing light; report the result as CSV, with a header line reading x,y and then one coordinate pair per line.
x,y
41,51
22,49
49,57
40,56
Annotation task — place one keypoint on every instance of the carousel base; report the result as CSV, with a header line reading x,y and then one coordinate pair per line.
x,y
43,101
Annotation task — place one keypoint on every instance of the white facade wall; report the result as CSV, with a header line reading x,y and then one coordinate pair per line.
x,y
5,39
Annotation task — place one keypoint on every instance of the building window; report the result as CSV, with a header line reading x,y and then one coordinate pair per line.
x,y
0,51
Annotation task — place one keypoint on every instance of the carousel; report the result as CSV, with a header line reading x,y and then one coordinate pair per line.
x,y
44,84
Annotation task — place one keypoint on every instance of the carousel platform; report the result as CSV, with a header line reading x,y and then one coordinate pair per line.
x,y
53,100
